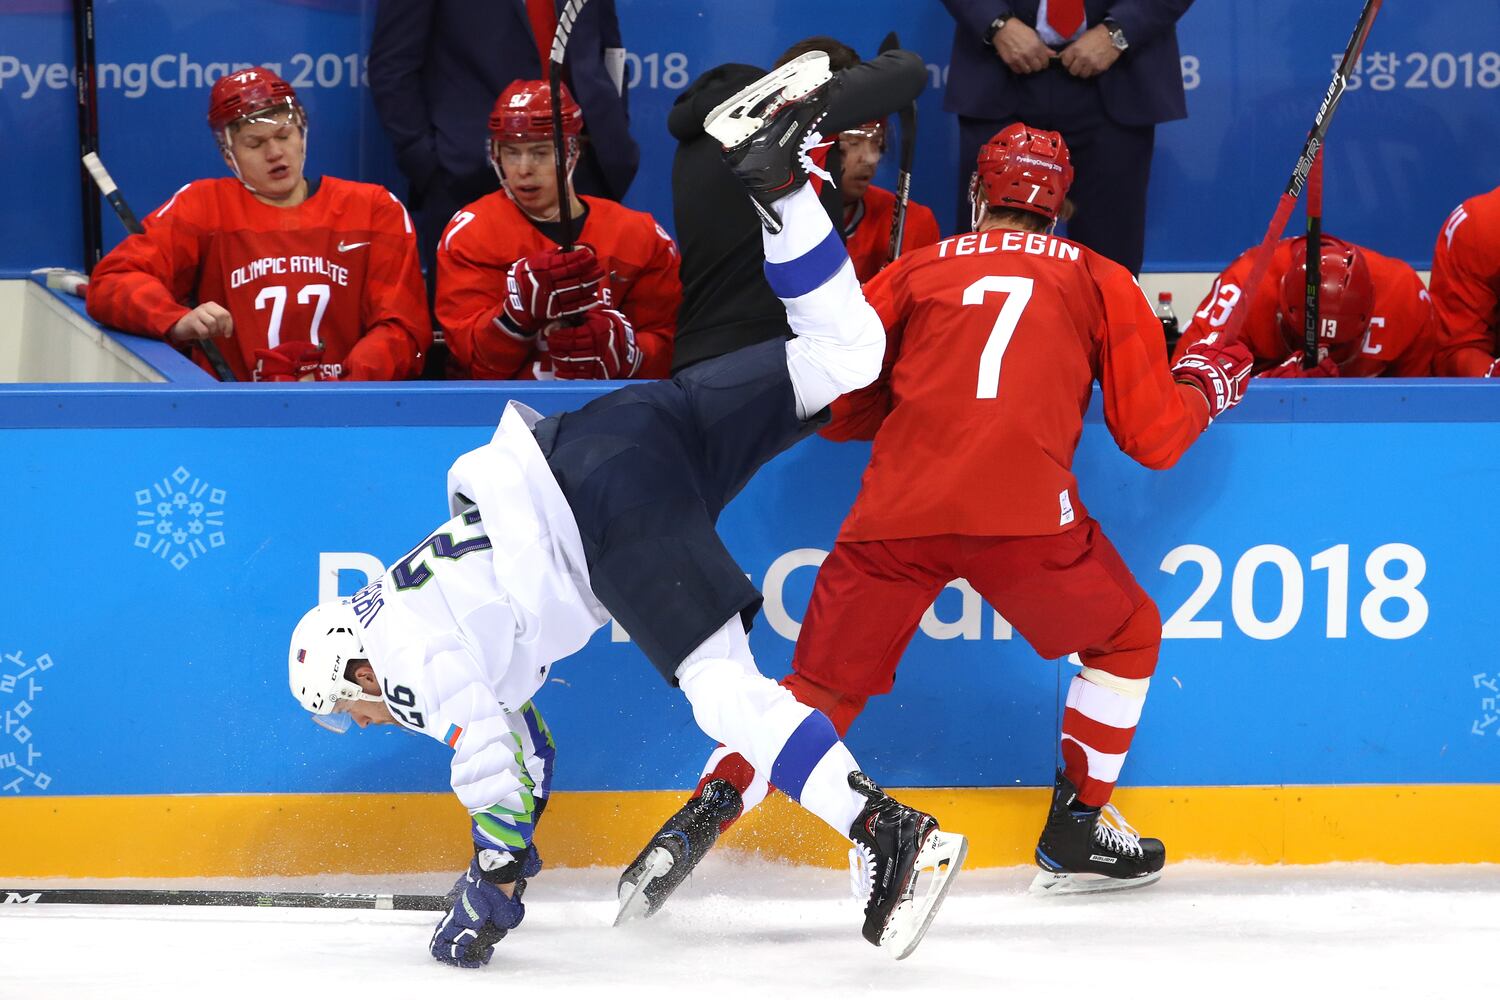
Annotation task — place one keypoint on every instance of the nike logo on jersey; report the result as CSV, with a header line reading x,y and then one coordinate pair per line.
x,y
346,247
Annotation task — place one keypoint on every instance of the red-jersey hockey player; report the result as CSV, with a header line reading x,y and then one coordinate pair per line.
x,y
994,341
504,286
1375,316
299,278
1466,288
870,210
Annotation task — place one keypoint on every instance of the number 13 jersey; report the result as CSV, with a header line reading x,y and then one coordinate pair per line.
x,y
994,341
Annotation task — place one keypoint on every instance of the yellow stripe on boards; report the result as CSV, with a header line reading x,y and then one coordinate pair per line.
x,y
171,836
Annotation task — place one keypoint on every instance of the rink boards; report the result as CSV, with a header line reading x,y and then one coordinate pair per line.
x,y
1323,560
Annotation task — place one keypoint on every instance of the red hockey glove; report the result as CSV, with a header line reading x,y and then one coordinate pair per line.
x,y
1292,368
1219,371
602,346
292,361
550,285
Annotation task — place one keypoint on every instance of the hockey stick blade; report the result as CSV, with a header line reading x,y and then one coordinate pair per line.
x,y
215,897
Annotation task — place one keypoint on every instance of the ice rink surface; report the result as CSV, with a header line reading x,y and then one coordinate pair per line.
x,y
754,930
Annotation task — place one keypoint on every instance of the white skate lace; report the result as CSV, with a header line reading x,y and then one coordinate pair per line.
x,y
861,865
1114,834
811,141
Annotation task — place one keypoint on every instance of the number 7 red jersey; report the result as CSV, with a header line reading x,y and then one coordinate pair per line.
x,y
340,270
994,342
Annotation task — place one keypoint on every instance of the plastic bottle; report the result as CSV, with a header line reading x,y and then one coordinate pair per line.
x,y
1168,317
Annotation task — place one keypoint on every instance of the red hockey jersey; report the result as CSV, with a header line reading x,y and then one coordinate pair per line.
x,y
340,270
994,342
869,245
1466,287
1403,328
487,237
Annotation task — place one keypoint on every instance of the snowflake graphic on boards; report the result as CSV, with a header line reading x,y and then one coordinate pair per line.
x,y
20,684
1489,705
179,518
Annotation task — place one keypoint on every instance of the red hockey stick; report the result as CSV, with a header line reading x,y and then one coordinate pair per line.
x,y
1310,150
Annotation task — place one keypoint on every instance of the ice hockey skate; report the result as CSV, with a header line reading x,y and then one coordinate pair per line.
x,y
1085,850
895,848
675,851
769,128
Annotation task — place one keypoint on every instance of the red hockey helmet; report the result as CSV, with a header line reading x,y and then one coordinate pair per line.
x,y
523,113
248,92
1345,302
1022,168
875,130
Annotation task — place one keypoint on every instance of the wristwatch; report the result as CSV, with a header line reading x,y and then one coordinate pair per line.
x,y
994,29
1116,34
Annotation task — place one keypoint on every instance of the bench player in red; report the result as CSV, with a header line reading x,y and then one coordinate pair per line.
x,y
869,210
297,278
1466,288
995,339
504,284
1375,316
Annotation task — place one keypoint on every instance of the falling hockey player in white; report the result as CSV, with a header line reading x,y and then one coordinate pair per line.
x,y
549,538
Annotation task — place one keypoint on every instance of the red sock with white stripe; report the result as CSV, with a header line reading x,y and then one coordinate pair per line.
x,y
1097,728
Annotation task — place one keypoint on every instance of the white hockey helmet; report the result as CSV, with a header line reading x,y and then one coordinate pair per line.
x,y
323,643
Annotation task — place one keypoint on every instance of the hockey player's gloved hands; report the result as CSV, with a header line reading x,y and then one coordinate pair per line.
x,y
482,914
1219,371
1292,368
548,286
602,346
290,361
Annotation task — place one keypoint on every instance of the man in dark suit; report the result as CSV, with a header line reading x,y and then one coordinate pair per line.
x,y
1104,73
436,67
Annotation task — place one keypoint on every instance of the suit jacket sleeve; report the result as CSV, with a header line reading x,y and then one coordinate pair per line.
x,y
1145,20
398,51
975,16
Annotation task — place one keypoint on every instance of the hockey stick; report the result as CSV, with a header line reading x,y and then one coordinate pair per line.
x,y
908,118
1314,287
216,897
94,168
88,127
565,21
1310,149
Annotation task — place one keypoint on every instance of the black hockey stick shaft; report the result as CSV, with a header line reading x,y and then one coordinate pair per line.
x,y
908,118
95,170
565,21
1314,287
85,81
1310,148
217,897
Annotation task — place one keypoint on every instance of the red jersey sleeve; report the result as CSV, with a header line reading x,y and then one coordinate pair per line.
x,y
1152,418
470,296
1261,331
140,286
857,415
396,331
1466,287
1411,325
651,302
921,228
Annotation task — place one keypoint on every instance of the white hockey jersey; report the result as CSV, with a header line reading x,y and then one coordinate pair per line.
x,y
463,630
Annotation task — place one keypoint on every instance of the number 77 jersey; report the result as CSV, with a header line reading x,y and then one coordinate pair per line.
x,y
994,341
